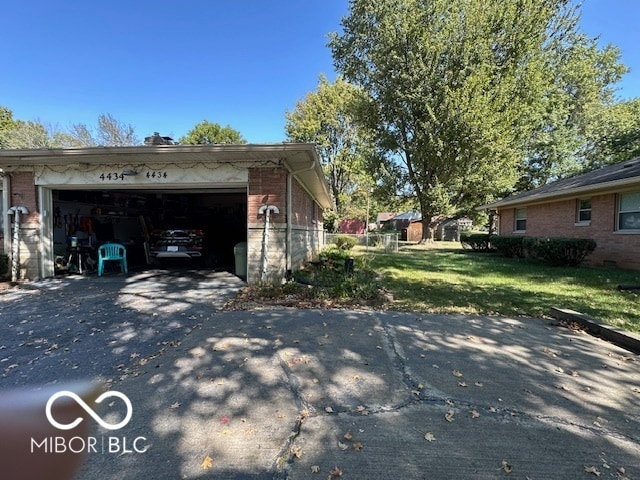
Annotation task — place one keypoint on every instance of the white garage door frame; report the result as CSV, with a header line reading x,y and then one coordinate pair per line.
x,y
124,177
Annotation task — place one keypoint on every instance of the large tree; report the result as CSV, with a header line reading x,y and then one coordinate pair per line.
x,y
326,117
110,132
615,134
207,133
455,87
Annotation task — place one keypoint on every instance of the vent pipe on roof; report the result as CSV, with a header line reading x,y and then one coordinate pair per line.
x,y
156,139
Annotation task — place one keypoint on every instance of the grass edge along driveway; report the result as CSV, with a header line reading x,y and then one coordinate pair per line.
x,y
444,278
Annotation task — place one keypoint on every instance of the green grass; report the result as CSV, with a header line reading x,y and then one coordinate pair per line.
x,y
447,279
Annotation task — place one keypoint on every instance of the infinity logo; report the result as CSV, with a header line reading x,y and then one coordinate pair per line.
x,y
94,415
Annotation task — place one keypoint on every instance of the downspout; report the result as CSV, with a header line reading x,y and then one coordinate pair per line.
x,y
15,248
266,210
290,176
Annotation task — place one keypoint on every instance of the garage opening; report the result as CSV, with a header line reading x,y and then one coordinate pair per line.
x,y
159,228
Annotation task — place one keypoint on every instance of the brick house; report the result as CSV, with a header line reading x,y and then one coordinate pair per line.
x,y
222,189
602,204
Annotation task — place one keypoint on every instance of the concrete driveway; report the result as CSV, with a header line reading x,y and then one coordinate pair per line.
x,y
310,394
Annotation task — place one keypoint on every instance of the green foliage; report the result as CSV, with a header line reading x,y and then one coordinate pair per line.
x,y
463,92
109,132
330,221
207,133
333,256
564,252
326,117
478,242
615,134
509,245
345,242
442,280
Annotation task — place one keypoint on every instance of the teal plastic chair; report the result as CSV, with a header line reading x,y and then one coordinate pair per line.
x,y
112,252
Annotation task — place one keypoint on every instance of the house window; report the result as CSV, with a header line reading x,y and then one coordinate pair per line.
x,y
520,219
629,211
584,210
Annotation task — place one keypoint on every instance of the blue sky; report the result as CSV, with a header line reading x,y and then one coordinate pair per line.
x,y
165,66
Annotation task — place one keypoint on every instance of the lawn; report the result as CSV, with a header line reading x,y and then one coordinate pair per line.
x,y
444,278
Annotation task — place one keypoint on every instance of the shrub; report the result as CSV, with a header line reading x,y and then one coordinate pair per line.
x,y
559,251
478,242
509,245
345,242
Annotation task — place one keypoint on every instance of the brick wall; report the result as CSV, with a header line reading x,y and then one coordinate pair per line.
x,y
25,193
268,186
558,219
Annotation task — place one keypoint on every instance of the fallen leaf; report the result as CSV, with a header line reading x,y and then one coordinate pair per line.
x,y
342,446
296,451
348,436
336,472
457,373
328,409
357,445
429,437
449,416
315,469
592,470
462,384
475,414
207,463
506,467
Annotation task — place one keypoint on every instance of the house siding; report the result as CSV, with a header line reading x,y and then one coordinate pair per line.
x,y
269,186
306,226
558,219
23,192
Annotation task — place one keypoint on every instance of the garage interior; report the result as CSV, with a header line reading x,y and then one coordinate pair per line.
x,y
88,218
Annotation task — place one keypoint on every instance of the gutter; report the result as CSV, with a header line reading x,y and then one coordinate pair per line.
x,y
605,187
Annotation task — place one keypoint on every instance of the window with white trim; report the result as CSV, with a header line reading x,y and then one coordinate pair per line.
x,y
520,223
629,211
584,210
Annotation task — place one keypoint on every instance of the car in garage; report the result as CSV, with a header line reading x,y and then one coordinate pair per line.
x,y
187,244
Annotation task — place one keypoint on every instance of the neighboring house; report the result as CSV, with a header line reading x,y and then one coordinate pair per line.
x,y
602,204
119,193
383,218
352,226
407,224
449,229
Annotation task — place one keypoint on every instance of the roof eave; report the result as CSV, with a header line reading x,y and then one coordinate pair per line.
x,y
568,193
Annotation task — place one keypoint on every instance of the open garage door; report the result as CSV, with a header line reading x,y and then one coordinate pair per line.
x,y
172,228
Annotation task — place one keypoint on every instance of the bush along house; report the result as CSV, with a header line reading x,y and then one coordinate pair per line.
x,y
263,203
602,205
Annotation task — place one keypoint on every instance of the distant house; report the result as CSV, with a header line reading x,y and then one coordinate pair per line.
x,y
383,218
449,229
602,204
403,222
352,226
